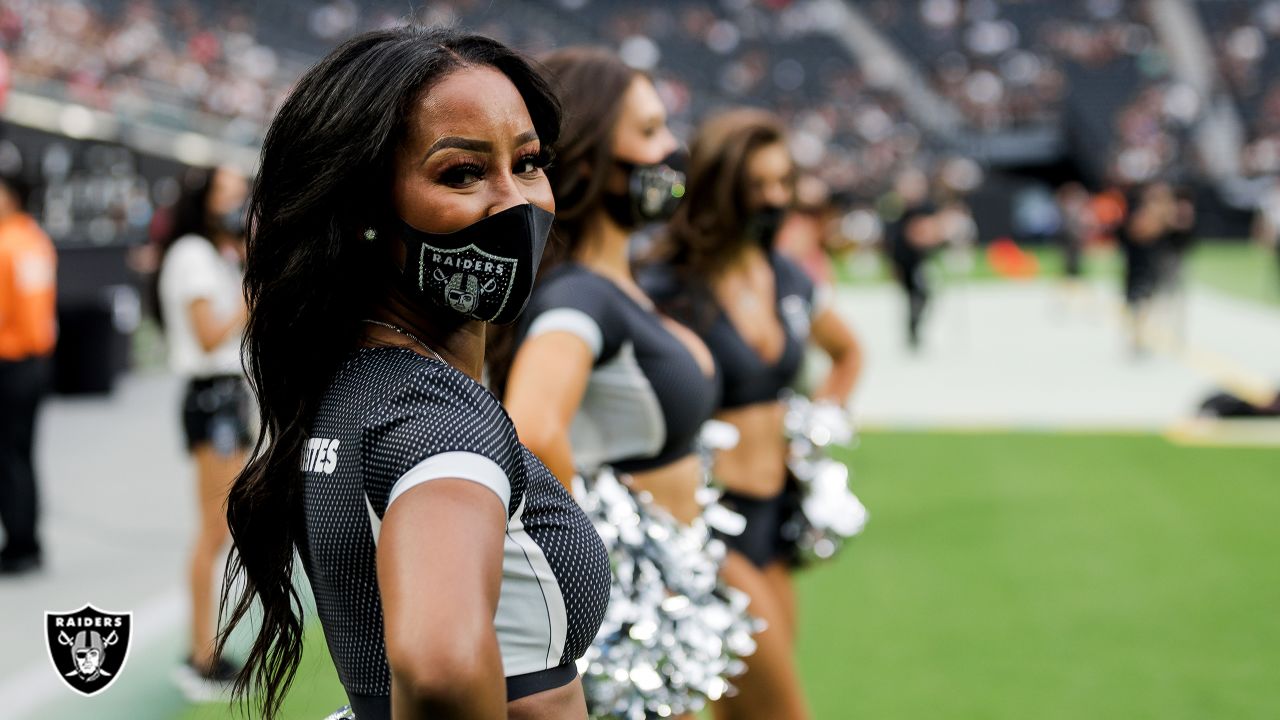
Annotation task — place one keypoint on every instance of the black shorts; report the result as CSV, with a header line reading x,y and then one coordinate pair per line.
x,y
762,541
216,410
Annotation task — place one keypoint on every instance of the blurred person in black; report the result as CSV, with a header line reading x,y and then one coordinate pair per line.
x,y
1078,225
805,233
1266,221
912,237
202,308
1153,215
28,331
1174,245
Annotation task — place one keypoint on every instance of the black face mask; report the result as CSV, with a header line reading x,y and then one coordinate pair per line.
x,y
653,193
484,271
763,225
234,221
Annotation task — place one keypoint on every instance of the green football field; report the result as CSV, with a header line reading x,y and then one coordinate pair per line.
x,y
1030,576
1241,269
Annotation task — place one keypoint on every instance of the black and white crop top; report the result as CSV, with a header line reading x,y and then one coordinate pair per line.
x,y
647,396
391,420
746,378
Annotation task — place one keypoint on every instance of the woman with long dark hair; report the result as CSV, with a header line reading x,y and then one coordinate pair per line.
x,y
401,205
202,309
591,346
756,311
599,377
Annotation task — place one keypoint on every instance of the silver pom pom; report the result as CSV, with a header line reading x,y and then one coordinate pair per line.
x,y
828,513
674,634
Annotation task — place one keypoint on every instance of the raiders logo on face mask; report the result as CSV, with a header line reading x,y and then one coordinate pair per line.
x,y
484,271
88,647
462,291
653,192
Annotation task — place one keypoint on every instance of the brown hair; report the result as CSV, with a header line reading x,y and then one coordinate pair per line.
x,y
709,227
591,83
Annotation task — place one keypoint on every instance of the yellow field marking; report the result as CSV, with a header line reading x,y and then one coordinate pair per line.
x,y
1229,375
1230,432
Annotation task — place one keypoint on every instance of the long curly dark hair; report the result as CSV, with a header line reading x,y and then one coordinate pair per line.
x,y
325,177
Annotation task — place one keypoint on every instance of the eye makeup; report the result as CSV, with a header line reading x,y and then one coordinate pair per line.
x,y
463,171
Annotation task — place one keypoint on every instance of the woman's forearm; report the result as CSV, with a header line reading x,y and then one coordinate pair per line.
x,y
846,368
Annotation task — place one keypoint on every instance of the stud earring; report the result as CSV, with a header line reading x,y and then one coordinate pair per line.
x,y
370,234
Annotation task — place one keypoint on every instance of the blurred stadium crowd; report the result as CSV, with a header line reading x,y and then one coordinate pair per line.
x,y
1073,76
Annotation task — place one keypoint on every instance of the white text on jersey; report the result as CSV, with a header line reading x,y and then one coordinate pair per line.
x,y
320,455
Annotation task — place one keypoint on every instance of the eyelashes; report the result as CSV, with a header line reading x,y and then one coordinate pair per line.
x,y
468,171
541,160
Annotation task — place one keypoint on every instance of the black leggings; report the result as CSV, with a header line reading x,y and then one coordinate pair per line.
x,y
22,385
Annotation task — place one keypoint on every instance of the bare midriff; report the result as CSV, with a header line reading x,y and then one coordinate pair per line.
x,y
757,465
674,487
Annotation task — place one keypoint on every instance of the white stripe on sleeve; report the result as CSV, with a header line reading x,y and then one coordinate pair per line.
x,y
462,465
571,321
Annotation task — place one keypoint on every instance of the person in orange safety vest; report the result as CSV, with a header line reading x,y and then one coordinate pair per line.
x,y
28,330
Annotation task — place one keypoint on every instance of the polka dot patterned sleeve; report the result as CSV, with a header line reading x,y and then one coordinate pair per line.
x,y
439,423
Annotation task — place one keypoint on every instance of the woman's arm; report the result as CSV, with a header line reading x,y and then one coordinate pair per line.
x,y
830,333
548,378
211,330
439,574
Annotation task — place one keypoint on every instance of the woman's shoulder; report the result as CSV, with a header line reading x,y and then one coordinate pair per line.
x,y
790,277
572,279
191,246
189,255
575,287
402,383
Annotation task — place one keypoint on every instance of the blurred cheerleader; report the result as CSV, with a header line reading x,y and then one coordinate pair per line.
x,y
598,381
756,311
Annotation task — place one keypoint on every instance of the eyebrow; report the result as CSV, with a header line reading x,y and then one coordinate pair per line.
x,y
482,146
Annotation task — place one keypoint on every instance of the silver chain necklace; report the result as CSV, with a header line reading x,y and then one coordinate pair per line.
x,y
406,333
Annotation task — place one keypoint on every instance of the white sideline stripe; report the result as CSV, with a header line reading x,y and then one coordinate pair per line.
x,y
28,690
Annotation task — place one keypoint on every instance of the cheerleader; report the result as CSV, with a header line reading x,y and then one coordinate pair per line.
x,y
597,376
756,312
400,207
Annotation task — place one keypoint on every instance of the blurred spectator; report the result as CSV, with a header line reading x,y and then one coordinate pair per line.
x,y
1177,241
203,311
1156,216
1266,221
804,232
27,335
1078,225
914,230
